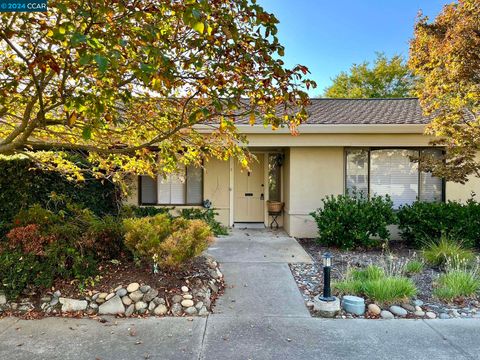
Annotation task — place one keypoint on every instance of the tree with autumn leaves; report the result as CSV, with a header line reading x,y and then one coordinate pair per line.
x,y
445,57
126,83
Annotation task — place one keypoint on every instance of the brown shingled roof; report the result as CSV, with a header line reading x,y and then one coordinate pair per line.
x,y
393,111
366,111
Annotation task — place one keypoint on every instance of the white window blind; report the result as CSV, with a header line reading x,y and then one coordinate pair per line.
x,y
182,188
392,173
431,187
357,172
148,190
194,185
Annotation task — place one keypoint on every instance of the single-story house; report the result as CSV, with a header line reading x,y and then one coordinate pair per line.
x,y
362,144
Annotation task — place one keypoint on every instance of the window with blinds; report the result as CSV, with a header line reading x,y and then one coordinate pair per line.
x,y
182,188
357,172
391,172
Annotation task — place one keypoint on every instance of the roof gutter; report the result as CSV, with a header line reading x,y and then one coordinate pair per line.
x,y
329,129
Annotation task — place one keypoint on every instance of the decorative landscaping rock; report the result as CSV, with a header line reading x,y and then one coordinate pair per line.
x,y
188,296
353,304
444,316
398,311
130,310
184,289
109,296
136,296
191,311
431,315
159,301
133,287
112,307
121,292
69,305
419,313
176,309
177,298
203,311
374,309
409,307
140,305
387,315
160,310
418,302
150,295
187,303
127,301
145,288
151,306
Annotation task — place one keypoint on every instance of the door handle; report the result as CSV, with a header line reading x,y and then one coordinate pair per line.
x,y
248,194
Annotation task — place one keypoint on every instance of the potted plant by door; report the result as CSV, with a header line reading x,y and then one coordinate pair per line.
x,y
274,206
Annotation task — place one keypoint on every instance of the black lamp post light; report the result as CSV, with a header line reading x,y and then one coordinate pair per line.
x,y
327,267
325,304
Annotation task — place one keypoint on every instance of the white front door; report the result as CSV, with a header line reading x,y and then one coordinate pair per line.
x,y
249,192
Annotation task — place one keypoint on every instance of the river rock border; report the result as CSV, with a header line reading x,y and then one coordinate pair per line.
x,y
192,299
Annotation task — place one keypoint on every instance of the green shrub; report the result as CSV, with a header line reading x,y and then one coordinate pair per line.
x,y
447,252
132,211
352,221
143,236
455,284
23,185
189,239
166,242
17,270
413,267
374,284
59,260
422,222
207,215
63,244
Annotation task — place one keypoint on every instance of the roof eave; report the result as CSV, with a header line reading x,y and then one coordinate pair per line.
x,y
329,129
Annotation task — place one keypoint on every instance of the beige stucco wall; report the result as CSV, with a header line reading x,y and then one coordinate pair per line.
x,y
313,168
215,189
314,173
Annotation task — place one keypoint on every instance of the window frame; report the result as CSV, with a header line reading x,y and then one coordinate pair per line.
x,y
139,184
373,148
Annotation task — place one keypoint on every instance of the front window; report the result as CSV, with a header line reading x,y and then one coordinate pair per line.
x,y
182,188
391,172
274,177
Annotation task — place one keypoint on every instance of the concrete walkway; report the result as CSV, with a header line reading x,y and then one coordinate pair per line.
x,y
259,281
261,316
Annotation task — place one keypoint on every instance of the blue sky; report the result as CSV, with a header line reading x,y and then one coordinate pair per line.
x,y
330,36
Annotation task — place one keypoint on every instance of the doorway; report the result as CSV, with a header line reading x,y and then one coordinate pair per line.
x,y
249,192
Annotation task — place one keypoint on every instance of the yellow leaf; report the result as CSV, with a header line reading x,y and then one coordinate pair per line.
x,y
199,27
252,119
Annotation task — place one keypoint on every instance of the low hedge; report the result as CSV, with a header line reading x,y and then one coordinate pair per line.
x,y
421,223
